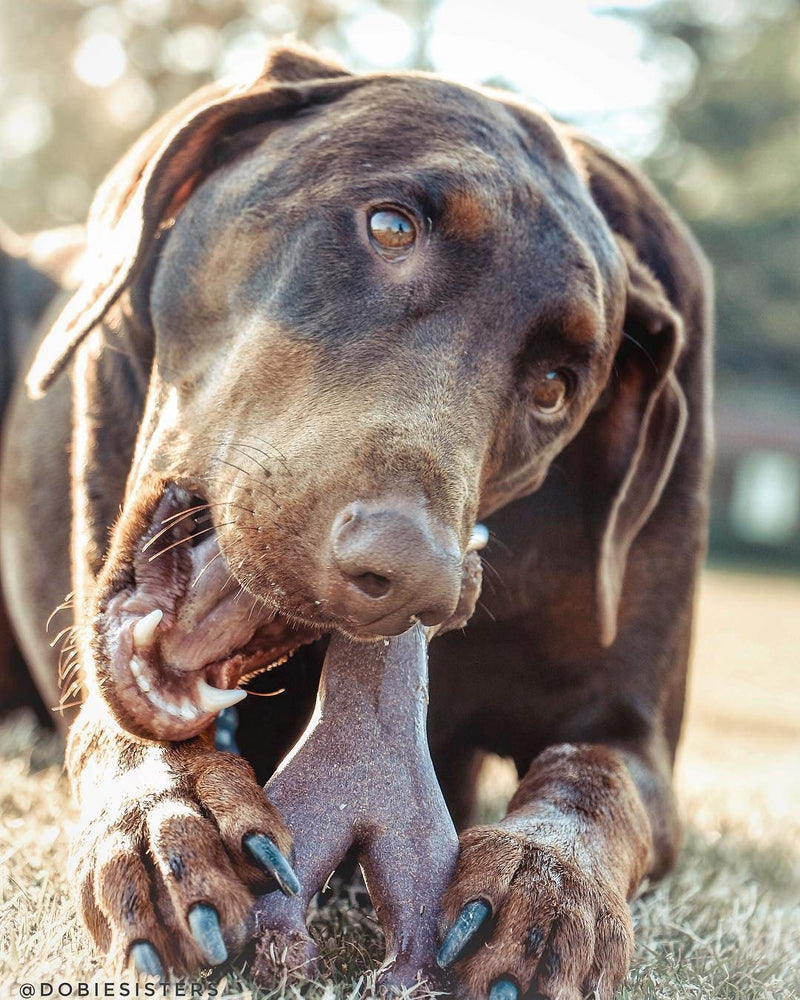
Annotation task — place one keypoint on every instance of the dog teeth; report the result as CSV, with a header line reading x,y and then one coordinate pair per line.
x,y
145,629
208,701
213,700
170,707
188,711
138,671
478,539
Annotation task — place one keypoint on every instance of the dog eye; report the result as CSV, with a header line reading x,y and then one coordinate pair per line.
x,y
550,392
392,232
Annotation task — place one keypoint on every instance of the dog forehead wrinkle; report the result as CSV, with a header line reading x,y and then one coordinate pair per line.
x,y
425,103
391,121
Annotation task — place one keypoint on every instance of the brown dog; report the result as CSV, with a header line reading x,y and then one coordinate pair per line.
x,y
341,318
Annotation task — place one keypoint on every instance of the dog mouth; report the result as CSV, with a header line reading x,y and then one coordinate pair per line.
x,y
177,634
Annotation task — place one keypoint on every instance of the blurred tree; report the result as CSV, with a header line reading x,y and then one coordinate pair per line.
x,y
728,160
81,78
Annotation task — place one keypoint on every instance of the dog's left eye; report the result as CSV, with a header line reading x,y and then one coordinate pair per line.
x,y
550,392
392,232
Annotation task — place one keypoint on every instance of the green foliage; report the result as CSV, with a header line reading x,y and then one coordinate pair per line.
x,y
729,161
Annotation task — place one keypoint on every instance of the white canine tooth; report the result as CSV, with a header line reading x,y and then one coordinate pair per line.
x,y
478,539
213,700
145,629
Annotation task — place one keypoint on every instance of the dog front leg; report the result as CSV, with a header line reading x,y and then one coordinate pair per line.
x,y
540,899
173,840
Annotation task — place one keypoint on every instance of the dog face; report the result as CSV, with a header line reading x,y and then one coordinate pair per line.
x,y
399,300
375,318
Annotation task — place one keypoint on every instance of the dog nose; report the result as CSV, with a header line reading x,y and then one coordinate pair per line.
x,y
392,563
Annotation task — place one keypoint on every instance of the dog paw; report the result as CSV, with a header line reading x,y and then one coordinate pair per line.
x,y
523,919
168,854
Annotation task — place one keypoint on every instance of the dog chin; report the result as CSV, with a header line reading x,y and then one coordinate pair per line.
x,y
175,642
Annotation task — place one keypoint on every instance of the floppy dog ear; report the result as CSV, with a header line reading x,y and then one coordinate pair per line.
x,y
154,179
638,431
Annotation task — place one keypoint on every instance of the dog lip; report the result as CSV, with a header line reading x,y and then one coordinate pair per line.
x,y
153,700
157,702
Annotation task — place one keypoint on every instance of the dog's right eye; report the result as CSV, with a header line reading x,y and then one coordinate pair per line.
x,y
550,392
392,232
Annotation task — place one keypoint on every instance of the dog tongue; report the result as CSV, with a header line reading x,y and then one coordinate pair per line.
x,y
213,616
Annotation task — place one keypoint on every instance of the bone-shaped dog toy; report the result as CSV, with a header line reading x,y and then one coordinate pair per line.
x,y
362,776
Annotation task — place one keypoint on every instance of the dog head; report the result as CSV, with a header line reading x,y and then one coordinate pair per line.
x,y
373,309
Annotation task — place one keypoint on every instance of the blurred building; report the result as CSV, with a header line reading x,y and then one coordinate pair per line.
x,y
756,486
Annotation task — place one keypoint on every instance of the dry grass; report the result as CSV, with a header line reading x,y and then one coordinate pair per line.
x,y
725,925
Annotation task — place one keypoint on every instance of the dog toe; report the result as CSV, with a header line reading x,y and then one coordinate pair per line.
x,y
526,922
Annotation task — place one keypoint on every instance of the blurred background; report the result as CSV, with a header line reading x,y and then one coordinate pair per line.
x,y
705,94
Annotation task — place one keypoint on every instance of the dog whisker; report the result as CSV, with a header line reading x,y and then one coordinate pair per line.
x,y
185,513
281,457
63,632
497,540
176,519
68,663
643,349
497,576
61,707
182,515
266,694
237,486
64,606
210,561
188,538
486,610
240,448
224,461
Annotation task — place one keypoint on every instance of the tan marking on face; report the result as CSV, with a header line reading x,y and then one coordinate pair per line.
x,y
465,216
583,326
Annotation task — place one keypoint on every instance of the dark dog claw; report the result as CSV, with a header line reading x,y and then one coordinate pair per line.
x,y
464,927
267,855
503,989
145,961
204,925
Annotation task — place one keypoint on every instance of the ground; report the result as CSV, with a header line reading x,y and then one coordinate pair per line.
x,y
725,925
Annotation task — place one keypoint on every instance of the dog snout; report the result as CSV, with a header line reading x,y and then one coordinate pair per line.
x,y
391,564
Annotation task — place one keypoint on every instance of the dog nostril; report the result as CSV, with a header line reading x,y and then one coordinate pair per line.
x,y
372,584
